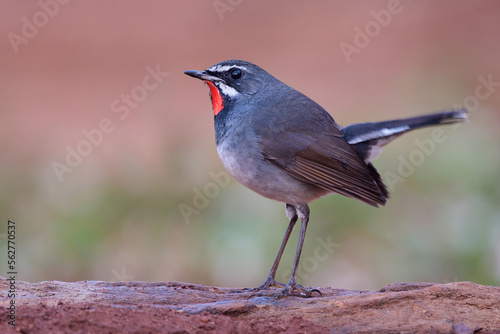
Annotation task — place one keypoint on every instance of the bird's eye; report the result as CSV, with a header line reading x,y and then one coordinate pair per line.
x,y
236,73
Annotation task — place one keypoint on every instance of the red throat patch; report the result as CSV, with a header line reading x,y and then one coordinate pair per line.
x,y
217,103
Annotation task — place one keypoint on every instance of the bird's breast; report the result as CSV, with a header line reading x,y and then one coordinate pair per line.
x,y
247,165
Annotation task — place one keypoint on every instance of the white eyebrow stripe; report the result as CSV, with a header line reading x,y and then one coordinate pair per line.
x,y
224,68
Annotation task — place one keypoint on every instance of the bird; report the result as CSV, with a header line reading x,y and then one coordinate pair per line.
x,y
281,144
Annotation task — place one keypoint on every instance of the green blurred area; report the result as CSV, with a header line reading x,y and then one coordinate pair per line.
x,y
117,215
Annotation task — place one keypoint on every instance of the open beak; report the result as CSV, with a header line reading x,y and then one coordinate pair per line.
x,y
202,75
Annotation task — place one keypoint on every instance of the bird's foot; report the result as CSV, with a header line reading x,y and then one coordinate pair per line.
x,y
269,282
290,289
294,289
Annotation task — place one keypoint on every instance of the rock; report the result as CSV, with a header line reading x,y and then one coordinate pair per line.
x,y
175,307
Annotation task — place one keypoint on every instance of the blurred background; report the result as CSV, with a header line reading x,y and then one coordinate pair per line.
x,y
108,160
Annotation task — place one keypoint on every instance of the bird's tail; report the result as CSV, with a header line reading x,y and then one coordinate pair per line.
x,y
369,138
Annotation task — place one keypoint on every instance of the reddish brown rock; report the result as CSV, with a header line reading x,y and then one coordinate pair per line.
x,y
173,307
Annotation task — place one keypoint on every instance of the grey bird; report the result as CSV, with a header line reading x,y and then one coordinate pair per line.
x,y
286,147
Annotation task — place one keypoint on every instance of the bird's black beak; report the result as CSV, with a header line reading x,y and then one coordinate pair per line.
x,y
202,75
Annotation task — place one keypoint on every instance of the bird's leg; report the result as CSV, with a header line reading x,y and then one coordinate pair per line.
x,y
292,287
270,279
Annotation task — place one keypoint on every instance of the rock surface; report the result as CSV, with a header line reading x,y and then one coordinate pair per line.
x,y
174,307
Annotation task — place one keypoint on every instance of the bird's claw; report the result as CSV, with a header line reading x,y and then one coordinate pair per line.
x,y
290,289
294,289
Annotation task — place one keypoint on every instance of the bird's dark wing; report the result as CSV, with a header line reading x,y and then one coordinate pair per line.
x,y
306,143
327,161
